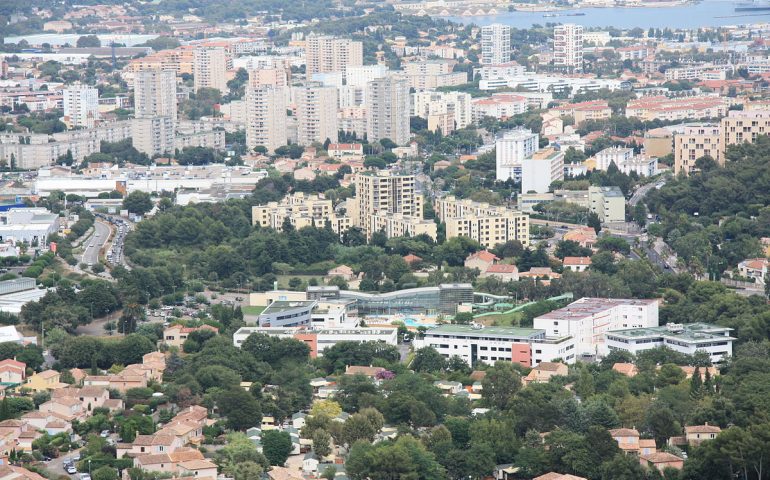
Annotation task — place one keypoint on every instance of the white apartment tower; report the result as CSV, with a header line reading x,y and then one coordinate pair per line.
x,y
325,54
81,106
388,107
153,135
316,113
568,47
266,116
155,94
511,149
210,66
495,44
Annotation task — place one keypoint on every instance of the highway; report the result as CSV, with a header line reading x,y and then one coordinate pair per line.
x,y
95,242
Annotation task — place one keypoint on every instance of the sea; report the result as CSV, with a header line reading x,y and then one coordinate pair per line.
x,y
707,13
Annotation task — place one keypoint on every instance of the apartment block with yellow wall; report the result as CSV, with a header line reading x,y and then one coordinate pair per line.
x,y
487,224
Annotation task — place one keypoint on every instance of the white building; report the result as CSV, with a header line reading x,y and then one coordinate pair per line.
x,y
503,70
153,135
588,319
683,338
540,170
359,76
616,155
155,94
500,106
320,339
551,83
445,110
388,107
330,54
511,149
210,65
316,113
266,117
29,225
568,46
495,44
626,161
81,106
474,344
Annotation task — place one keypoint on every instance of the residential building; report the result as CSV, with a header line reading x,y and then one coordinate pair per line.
x,y
577,264
568,47
755,268
588,319
544,371
502,272
319,339
487,224
511,149
346,152
12,371
744,126
481,260
495,44
81,105
694,142
697,434
383,193
153,135
473,343
610,155
678,108
47,380
432,74
582,111
558,476
276,77
540,170
400,225
155,94
316,113
210,65
684,338
266,117
630,443
325,54
661,461
388,108
301,210
627,369
360,76
497,71
176,335
444,111
500,106
608,203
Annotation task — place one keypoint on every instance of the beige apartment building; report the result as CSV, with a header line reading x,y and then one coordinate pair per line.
x,y
266,116
155,94
153,135
608,203
324,54
179,60
398,225
744,126
383,193
487,224
694,142
210,66
388,108
302,211
316,113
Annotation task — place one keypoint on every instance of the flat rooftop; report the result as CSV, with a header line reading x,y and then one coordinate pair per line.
x,y
286,305
691,332
323,331
515,332
585,307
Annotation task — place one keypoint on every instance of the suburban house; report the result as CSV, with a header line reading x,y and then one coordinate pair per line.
x,y
12,371
755,268
481,260
9,472
690,371
558,476
175,335
629,441
661,461
343,271
67,408
543,372
149,445
89,397
504,273
627,369
585,236
371,372
696,434
47,380
118,382
577,264
186,462
283,473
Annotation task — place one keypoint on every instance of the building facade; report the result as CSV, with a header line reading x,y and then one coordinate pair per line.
x,y
316,113
210,65
325,54
81,106
511,149
155,94
388,107
266,117
495,44
568,47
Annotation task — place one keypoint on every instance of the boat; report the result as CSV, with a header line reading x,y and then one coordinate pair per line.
x,y
577,14
752,7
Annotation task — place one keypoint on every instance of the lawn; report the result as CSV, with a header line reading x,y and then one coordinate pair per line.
x,y
252,310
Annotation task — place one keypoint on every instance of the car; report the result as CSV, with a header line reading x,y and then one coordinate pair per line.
x,y
76,457
105,434
85,476
72,470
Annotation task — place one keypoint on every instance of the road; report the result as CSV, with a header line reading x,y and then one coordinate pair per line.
x,y
55,465
640,192
93,245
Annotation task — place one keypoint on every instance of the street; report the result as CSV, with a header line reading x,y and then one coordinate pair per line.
x,y
641,192
93,245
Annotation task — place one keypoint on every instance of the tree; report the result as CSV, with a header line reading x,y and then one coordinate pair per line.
x,y
594,222
322,443
427,359
105,473
571,248
241,409
463,318
276,446
138,202
88,41
500,385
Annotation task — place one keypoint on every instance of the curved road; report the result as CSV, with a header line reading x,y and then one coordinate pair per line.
x,y
95,242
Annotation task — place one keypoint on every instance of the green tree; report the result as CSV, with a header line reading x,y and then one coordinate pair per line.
x,y
240,408
138,202
500,385
427,359
105,473
322,443
88,41
276,446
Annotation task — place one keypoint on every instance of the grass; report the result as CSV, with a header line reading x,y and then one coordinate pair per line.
x,y
502,320
252,310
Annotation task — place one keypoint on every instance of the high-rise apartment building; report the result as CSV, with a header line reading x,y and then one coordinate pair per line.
x,y
325,54
511,149
388,107
153,135
445,111
266,116
540,170
740,126
155,94
487,224
81,106
568,47
277,77
383,193
694,142
495,44
316,113
210,65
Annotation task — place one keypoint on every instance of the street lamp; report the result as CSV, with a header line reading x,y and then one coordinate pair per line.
x,y
89,467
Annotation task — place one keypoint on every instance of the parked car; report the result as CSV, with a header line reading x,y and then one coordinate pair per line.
x,y
72,470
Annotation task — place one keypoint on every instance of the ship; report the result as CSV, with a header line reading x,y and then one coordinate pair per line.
x,y
578,14
753,7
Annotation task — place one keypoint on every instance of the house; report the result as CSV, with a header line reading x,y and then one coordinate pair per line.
x,y
298,420
543,372
25,439
78,375
661,461
629,441
199,468
310,463
481,260
577,264
504,273
627,369
690,371
120,382
55,427
755,268
585,236
149,445
448,388
412,259
89,397
9,472
12,371
343,271
47,380
558,476
67,408
696,434
184,462
543,273
283,473
371,372
175,335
